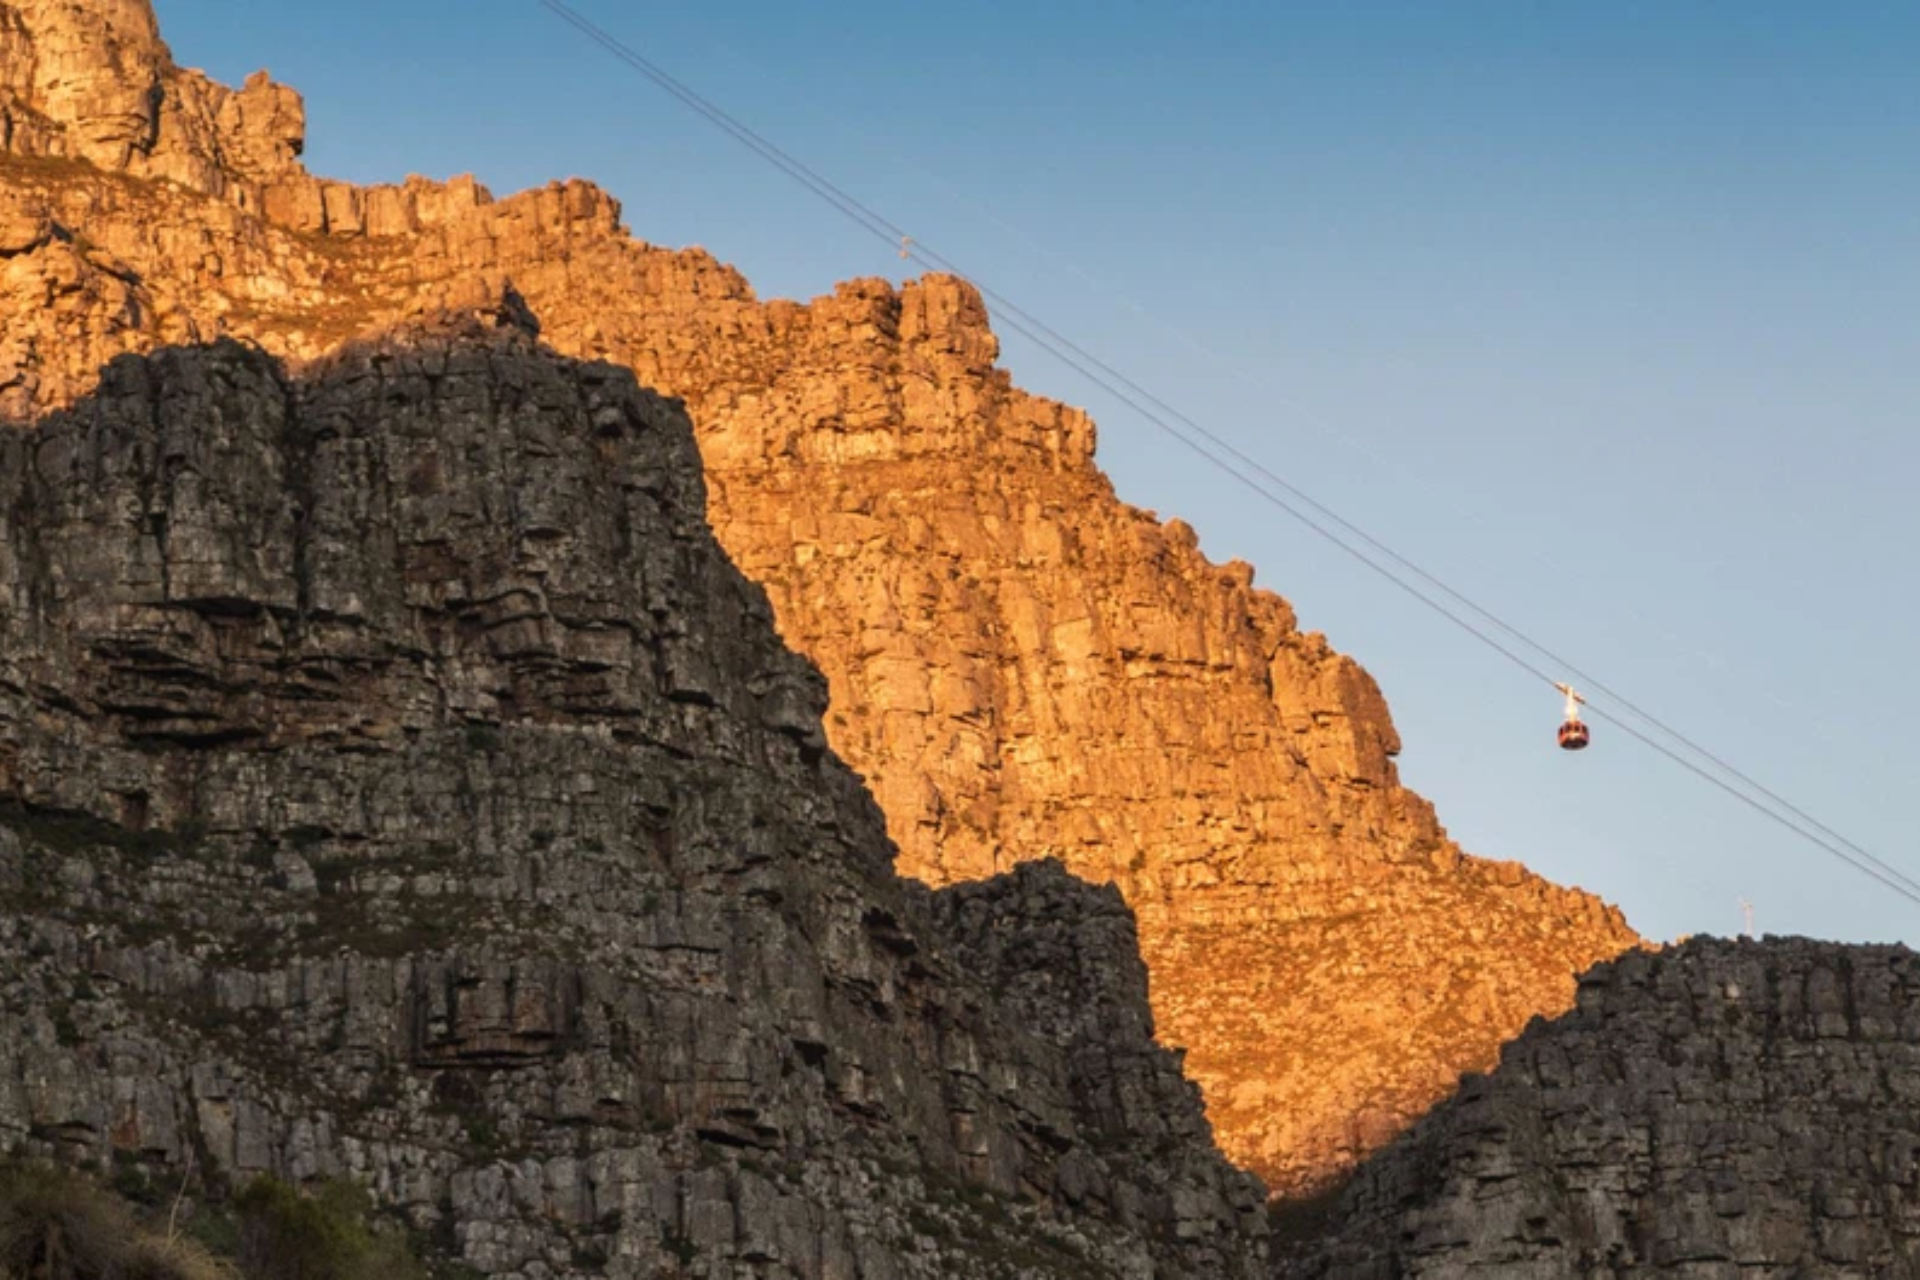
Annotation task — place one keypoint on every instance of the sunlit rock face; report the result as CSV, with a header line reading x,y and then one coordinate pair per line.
x,y
1722,1109
94,82
1020,665
397,782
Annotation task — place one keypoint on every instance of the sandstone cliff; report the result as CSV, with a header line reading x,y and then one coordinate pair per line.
x,y
397,781
1021,665
1724,1109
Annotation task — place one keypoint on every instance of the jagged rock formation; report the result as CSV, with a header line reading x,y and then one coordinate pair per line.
x,y
397,781
1021,665
91,80
1724,1109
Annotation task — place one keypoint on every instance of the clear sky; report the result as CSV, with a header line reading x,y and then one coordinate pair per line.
x,y
1608,315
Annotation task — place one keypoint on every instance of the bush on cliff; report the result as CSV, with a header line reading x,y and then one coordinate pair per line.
x,y
55,1225
288,1235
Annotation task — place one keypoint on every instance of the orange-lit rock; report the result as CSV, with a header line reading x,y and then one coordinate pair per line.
x,y
1021,664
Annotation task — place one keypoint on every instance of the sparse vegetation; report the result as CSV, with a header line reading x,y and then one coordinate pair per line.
x,y
55,1225
306,838
483,739
680,1247
483,1135
286,1234
65,832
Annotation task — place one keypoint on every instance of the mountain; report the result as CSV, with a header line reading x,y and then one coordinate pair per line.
x,y
1722,1109
1020,665
401,786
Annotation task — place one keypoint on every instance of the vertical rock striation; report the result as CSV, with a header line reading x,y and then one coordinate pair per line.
x,y
1725,1109
1020,665
92,81
397,782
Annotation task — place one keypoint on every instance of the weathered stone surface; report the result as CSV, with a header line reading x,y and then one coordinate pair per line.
x,y
93,81
1020,665
1724,1109
1065,963
397,781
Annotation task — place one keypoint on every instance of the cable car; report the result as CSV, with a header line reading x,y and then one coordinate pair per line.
x,y
1573,734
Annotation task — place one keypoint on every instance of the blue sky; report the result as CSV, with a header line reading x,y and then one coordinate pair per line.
x,y
1608,315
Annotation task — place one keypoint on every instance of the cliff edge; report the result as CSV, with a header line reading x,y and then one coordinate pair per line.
x,y
1721,1109
1021,665
397,783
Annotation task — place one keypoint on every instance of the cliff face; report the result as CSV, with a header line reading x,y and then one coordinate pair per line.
x,y
92,81
1724,1109
397,781
1020,665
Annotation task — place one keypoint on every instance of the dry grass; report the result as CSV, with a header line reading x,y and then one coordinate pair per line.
x,y
55,1225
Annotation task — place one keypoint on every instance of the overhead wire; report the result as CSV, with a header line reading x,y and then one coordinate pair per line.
x,y
1223,454
1297,410
882,227
1892,877
1592,682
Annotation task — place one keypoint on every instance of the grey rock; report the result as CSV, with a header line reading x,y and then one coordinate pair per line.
x,y
1737,1109
398,783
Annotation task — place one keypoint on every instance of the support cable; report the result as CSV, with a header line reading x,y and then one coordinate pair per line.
x,y
1263,482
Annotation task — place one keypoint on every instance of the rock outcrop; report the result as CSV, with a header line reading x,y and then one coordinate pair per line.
x,y
1724,1109
1021,665
397,782
91,81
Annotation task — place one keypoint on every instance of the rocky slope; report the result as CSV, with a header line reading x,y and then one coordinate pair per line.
x,y
397,782
1726,1109
1020,665
91,80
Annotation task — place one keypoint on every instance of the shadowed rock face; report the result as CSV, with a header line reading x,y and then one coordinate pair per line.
x,y
1725,1109
397,781
1019,664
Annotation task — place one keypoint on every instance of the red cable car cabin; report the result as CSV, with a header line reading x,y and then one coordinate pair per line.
x,y
1573,734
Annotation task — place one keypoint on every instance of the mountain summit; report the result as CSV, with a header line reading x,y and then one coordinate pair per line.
x,y
1021,665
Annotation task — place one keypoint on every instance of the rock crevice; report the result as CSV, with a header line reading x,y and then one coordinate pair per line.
x,y
1722,1109
1021,665
397,782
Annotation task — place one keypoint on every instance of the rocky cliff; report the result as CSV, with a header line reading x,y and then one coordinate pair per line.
x,y
1020,665
397,782
1724,1109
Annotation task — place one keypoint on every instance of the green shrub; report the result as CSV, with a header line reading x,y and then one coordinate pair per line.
x,y
286,1234
55,1225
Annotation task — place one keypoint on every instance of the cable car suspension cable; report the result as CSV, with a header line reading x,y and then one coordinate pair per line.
x,y
1222,454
